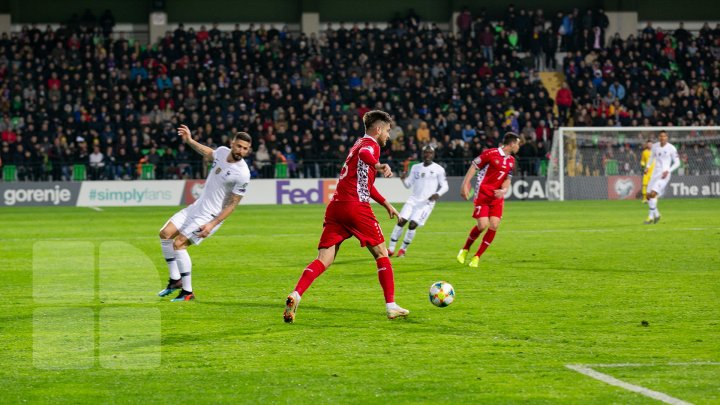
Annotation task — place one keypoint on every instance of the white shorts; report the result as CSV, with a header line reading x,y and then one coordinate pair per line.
x,y
658,184
417,211
188,222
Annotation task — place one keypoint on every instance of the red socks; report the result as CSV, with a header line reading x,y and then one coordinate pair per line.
x,y
486,241
312,271
385,275
474,233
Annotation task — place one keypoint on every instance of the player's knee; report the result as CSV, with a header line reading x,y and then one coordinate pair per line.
x,y
180,243
412,225
402,222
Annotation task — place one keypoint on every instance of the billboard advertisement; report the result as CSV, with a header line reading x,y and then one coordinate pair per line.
x,y
130,193
23,194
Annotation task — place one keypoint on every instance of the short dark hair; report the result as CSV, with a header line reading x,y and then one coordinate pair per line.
x,y
372,117
510,137
242,136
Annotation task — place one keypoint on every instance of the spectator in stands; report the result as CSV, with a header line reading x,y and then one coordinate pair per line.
x,y
97,163
564,101
464,23
486,40
107,23
549,47
134,97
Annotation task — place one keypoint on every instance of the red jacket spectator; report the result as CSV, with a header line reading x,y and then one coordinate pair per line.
x,y
464,20
485,70
564,96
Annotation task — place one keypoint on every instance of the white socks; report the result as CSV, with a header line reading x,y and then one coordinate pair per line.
x,y
391,305
409,235
185,266
169,254
396,233
652,204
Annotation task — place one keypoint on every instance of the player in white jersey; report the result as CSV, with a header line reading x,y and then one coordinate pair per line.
x,y
224,188
666,160
428,183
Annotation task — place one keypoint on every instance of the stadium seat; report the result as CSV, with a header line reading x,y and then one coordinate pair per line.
x,y
147,172
543,167
9,173
611,167
281,170
79,173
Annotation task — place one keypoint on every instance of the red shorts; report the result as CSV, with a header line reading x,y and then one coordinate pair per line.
x,y
488,207
346,219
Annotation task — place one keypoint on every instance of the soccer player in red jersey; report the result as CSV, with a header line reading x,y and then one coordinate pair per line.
x,y
495,168
349,214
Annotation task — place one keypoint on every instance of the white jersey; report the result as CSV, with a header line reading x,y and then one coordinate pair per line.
x,y
665,158
224,178
426,181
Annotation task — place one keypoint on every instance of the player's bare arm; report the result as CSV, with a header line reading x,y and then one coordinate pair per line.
x,y
231,201
384,169
391,210
465,187
500,193
186,136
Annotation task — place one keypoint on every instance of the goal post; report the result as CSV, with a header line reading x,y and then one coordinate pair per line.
x,y
589,163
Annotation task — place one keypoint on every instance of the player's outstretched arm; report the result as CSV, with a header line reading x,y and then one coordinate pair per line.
x,y
186,136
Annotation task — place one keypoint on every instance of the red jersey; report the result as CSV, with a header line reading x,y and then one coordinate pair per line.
x,y
494,166
357,177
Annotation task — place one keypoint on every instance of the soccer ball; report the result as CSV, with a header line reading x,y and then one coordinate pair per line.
x,y
442,294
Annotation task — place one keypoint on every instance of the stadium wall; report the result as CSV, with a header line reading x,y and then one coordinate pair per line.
x,y
318,191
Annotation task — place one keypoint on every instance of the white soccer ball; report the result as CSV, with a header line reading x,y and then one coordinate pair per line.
x,y
442,294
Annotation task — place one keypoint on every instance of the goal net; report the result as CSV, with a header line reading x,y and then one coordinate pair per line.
x,y
596,163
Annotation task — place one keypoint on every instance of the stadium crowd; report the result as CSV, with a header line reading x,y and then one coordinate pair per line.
x,y
81,95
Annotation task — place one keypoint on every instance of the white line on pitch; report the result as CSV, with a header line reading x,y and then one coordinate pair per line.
x,y
608,379
98,209
698,363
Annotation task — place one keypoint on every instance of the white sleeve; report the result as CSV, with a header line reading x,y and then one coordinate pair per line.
x,y
675,160
410,179
442,179
241,183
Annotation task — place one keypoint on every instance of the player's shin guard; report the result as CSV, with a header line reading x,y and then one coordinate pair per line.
x,y
486,241
312,271
474,233
387,280
185,266
169,254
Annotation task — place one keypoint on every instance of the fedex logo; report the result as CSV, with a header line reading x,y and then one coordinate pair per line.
x,y
304,191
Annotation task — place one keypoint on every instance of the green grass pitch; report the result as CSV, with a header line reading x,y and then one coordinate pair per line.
x,y
563,283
